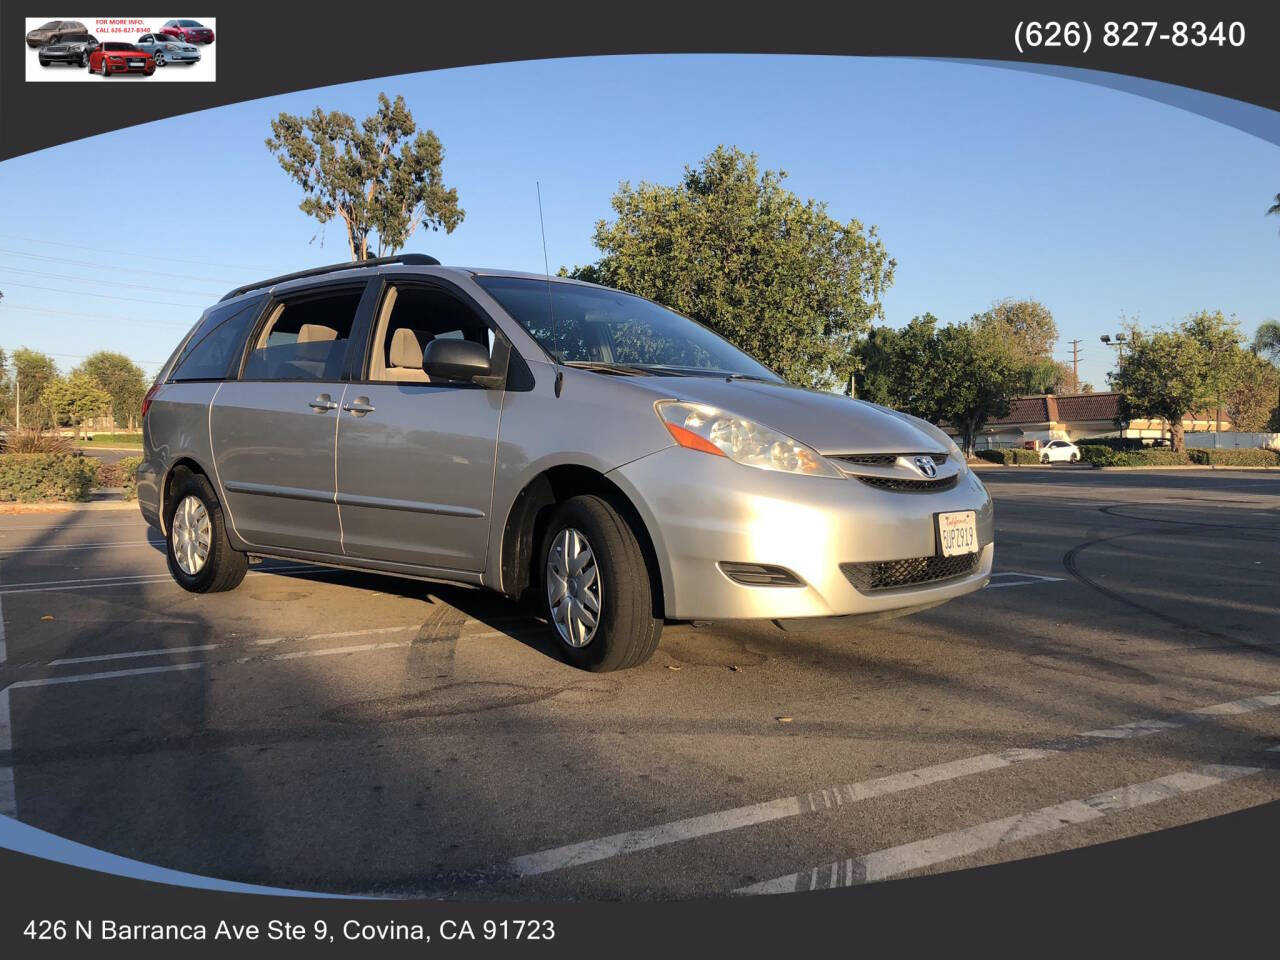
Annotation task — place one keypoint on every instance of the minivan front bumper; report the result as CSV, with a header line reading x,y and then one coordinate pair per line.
x,y
702,511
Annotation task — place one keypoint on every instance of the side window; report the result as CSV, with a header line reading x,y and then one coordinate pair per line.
x,y
305,338
410,318
215,350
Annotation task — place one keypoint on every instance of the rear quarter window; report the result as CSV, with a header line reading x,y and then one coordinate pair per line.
x,y
215,349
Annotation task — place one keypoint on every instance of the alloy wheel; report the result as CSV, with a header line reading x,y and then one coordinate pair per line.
x,y
191,536
574,588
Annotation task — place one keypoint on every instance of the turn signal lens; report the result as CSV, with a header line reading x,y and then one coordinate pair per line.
x,y
710,430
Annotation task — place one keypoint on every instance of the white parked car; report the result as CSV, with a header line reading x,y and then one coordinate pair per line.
x,y
1060,451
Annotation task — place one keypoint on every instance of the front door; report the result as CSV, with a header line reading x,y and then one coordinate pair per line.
x,y
273,431
416,456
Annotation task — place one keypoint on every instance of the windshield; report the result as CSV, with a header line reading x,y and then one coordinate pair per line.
x,y
119,46
595,325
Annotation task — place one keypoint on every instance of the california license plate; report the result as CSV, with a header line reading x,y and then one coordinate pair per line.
x,y
958,533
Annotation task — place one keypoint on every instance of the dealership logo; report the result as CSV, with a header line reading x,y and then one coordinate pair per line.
x,y
925,466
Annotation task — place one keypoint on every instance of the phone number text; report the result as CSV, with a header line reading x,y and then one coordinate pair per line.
x,y
1080,34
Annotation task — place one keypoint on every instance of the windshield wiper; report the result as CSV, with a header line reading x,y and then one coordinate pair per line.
x,y
620,369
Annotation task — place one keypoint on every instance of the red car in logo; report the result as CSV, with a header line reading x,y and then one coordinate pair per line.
x,y
121,58
192,31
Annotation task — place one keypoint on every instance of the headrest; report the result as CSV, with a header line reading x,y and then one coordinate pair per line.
x,y
316,333
406,351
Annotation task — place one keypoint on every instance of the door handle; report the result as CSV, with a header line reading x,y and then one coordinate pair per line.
x,y
359,406
323,403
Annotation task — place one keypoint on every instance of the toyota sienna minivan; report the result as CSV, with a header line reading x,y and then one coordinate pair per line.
x,y
564,443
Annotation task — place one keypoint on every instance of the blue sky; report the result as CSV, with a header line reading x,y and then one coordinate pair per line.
x,y
984,183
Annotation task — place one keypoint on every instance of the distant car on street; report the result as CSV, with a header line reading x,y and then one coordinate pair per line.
x,y
192,31
1060,451
54,31
121,58
74,49
165,48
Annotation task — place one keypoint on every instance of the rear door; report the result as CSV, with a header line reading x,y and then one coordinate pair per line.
x,y
273,430
416,456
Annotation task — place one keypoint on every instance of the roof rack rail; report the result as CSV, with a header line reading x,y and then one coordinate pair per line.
x,y
414,259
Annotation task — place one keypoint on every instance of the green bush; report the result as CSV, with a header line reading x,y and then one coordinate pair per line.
x,y
28,477
1009,455
1141,458
1099,455
1236,457
122,473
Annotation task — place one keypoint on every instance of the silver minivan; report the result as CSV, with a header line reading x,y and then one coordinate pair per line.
x,y
567,444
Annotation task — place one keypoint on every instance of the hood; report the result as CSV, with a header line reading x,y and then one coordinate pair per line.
x,y
828,422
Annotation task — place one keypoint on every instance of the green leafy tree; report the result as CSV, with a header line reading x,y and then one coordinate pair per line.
x,y
1252,399
734,249
382,177
32,371
122,379
1266,340
74,399
960,374
1165,375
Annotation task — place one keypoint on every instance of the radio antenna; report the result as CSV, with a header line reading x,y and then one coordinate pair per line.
x,y
551,307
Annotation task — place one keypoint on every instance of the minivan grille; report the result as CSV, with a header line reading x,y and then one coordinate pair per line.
x,y
891,574
885,459
907,485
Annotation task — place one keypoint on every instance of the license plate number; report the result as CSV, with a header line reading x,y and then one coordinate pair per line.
x,y
958,533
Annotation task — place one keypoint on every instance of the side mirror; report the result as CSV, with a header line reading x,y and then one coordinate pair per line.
x,y
455,360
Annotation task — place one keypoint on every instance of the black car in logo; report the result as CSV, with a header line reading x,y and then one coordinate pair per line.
x,y
74,49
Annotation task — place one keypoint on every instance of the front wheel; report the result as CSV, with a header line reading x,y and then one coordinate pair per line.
x,y
596,588
159,59
201,558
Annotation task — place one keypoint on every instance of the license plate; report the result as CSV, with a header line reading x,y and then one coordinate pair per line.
x,y
958,533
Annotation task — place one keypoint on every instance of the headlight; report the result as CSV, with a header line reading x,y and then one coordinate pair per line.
x,y
710,430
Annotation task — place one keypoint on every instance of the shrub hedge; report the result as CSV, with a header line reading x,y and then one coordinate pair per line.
x,y
27,477
1237,456
1009,455
122,473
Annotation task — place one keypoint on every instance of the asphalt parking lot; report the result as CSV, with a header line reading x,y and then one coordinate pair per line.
x,y
326,730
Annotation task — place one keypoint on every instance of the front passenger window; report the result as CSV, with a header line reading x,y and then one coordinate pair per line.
x,y
411,317
304,338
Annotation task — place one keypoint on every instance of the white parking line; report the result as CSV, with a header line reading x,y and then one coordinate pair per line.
x,y
68,661
108,675
895,861
103,583
631,841
14,551
1023,580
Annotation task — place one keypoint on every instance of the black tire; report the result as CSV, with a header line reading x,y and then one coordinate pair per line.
x,y
627,632
224,567
44,62
158,59
1044,458
1075,458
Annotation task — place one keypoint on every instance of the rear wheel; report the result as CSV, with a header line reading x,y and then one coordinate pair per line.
x,y
596,590
1044,458
201,558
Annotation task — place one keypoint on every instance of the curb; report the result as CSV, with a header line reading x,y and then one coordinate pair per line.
x,y
1197,466
8,509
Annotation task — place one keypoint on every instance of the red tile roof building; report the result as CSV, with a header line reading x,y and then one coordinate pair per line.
x,y
1078,416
